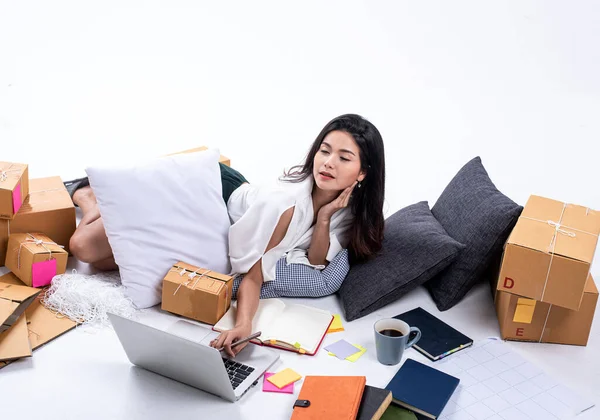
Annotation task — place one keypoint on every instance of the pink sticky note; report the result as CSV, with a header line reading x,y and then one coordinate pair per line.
x,y
42,273
17,198
269,387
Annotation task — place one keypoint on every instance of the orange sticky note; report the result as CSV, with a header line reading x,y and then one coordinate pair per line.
x,y
284,378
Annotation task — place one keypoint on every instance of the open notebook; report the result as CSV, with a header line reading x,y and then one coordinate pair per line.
x,y
293,327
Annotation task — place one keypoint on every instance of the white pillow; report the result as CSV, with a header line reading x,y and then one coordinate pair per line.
x,y
159,212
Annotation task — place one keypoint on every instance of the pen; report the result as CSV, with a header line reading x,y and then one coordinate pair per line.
x,y
243,340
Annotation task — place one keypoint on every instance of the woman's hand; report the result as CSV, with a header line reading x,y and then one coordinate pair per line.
x,y
226,338
338,203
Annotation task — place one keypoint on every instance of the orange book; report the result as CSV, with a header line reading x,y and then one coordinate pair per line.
x,y
329,397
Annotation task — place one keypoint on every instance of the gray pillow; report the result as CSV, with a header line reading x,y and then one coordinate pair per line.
x,y
475,213
415,248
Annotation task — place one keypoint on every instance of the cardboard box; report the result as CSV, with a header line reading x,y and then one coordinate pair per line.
x,y
35,258
196,293
14,300
42,325
14,343
48,209
523,319
548,255
14,188
223,159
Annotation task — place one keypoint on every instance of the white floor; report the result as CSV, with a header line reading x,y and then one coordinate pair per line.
x,y
515,82
86,374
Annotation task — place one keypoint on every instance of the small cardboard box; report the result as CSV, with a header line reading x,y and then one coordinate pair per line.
x,y
196,293
14,188
48,209
523,319
35,258
548,255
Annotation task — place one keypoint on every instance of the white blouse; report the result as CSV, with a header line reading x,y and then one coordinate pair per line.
x,y
255,211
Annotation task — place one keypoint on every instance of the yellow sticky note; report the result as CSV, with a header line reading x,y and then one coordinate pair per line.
x,y
297,345
354,357
284,378
336,324
524,311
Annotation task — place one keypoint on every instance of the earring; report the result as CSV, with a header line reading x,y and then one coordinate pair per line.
x,y
358,184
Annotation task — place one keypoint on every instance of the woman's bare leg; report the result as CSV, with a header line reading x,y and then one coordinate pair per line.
x,y
108,264
89,243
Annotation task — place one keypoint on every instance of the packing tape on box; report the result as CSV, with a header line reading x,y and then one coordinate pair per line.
x,y
191,276
37,242
4,172
558,229
48,190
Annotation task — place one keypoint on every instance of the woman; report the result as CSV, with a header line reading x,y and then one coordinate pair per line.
x,y
333,201
338,204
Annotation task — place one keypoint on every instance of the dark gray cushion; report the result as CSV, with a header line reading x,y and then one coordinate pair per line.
x,y
475,213
415,248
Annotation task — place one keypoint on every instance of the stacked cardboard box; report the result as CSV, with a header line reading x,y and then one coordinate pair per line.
x,y
35,259
545,292
47,209
38,217
14,187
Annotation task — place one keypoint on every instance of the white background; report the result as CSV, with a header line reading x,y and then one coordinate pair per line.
x,y
515,82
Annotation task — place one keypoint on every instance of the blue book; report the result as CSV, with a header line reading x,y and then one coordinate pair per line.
x,y
422,389
438,339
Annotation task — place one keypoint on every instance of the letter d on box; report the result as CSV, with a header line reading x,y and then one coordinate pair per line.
x,y
509,283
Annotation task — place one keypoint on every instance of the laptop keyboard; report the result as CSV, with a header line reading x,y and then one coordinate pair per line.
x,y
237,372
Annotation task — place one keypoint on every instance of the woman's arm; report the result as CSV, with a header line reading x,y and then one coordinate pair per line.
x,y
319,244
249,293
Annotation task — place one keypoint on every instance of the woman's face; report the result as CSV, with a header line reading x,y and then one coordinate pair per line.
x,y
337,162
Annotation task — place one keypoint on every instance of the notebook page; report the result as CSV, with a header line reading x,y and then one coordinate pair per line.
x,y
301,324
268,311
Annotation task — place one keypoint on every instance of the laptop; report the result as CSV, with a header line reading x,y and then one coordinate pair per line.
x,y
182,353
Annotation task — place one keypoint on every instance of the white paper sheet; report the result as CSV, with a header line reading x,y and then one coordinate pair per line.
x,y
496,383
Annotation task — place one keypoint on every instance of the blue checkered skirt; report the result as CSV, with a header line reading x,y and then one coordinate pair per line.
x,y
300,280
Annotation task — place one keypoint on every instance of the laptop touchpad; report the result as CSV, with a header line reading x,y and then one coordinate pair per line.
x,y
192,332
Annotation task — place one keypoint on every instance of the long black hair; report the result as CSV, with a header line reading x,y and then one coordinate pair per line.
x,y
366,203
